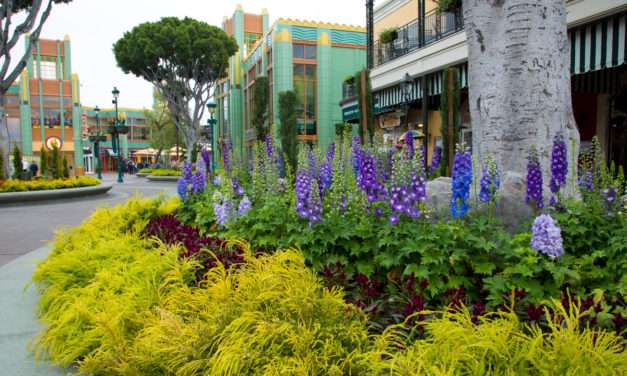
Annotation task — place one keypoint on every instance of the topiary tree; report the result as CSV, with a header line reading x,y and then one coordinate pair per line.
x,y
183,59
55,163
66,168
17,18
261,101
288,133
17,162
43,162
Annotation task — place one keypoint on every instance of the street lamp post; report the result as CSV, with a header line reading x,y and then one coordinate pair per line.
x,y
211,122
116,129
97,138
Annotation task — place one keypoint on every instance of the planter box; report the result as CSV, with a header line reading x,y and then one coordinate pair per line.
x,y
55,194
122,129
169,179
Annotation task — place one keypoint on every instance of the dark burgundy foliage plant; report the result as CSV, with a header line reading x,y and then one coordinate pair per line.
x,y
204,249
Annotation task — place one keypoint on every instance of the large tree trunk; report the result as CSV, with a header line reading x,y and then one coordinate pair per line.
x,y
519,79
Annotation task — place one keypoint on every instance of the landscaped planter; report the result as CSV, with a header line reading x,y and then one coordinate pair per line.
x,y
171,179
142,174
53,194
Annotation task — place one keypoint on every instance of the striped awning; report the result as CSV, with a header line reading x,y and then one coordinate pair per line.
x,y
393,96
599,45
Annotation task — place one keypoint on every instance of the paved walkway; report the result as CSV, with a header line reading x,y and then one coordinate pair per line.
x,y
18,324
31,226
24,227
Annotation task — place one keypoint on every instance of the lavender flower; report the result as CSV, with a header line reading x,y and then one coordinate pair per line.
x,y
181,189
201,167
269,151
490,182
314,204
199,182
534,180
223,211
186,172
357,154
394,219
547,237
367,178
587,181
303,191
330,155
436,159
244,206
559,163
206,157
409,144
226,148
238,190
326,176
462,179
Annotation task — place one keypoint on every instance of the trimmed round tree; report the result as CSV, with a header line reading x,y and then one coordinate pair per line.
x,y
183,59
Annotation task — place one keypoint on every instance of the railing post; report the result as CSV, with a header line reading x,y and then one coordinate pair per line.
x,y
421,23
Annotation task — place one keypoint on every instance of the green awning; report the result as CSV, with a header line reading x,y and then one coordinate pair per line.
x,y
350,112
599,45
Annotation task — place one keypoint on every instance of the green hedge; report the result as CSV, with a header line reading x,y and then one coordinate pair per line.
x,y
42,185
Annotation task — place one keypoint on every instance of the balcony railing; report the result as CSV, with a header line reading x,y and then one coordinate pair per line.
x,y
437,25
349,90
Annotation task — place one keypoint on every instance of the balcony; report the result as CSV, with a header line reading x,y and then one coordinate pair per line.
x,y
437,25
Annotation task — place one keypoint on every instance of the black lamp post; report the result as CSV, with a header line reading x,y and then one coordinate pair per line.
x,y
97,138
211,122
406,87
116,129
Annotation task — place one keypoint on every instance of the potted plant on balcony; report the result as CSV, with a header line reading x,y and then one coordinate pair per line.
x,y
388,36
448,5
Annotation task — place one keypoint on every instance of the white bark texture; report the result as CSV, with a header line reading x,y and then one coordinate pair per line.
x,y
519,79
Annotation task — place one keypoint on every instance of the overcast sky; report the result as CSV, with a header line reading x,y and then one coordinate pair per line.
x,y
94,25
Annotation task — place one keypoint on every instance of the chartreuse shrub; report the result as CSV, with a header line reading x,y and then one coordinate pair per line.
x,y
164,172
42,185
498,344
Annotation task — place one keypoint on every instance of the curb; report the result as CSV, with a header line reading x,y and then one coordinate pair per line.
x,y
19,324
170,179
19,197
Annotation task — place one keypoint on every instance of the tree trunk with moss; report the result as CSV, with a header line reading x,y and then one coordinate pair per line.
x,y
519,79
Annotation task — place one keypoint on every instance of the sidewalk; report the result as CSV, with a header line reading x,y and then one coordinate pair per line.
x,y
18,324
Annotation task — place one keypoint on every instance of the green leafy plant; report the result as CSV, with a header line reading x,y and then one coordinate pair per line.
x,y
43,162
66,168
17,162
164,172
388,36
448,5
1,164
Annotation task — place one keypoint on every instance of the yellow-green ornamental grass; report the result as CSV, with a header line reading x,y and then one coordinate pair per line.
x,y
115,304
42,185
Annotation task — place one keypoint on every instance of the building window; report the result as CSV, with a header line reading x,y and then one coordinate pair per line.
x,y
249,41
305,85
304,51
48,68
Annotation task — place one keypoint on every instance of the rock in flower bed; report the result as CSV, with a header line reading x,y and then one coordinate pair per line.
x,y
127,301
42,185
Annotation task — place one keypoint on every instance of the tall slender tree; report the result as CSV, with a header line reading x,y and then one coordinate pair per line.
x,y
161,125
17,18
183,59
287,116
519,78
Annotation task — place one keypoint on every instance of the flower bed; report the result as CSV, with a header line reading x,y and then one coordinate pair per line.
x,y
129,301
42,185
165,172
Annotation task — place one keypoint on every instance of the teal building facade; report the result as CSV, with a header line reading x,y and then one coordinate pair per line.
x,y
311,58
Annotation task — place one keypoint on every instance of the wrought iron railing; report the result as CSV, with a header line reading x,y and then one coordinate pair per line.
x,y
437,25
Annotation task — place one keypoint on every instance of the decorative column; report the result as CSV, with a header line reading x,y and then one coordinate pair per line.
x,y
283,69
25,114
325,95
76,127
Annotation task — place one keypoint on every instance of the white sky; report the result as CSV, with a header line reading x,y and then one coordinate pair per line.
x,y
94,25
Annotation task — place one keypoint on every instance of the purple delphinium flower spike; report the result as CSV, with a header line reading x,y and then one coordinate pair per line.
x,y
534,181
181,189
462,179
559,163
199,182
186,172
436,158
547,237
